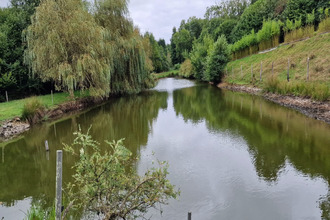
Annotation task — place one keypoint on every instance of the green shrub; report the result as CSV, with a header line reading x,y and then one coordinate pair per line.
x,y
217,60
177,66
186,69
31,108
325,23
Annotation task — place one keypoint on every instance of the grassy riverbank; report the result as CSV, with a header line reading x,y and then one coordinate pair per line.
x,y
171,73
14,108
295,56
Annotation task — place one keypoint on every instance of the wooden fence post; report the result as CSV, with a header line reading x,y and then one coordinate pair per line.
x,y
7,96
260,70
307,77
241,71
58,198
288,74
273,68
189,215
251,73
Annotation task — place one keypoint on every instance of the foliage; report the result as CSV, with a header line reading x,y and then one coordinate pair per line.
x,y
101,52
13,20
199,54
299,9
36,212
218,59
7,80
183,44
104,185
186,69
225,28
158,54
31,108
252,18
325,23
226,9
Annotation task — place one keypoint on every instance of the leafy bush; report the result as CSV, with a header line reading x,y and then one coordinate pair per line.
x,y
177,66
104,185
186,69
325,23
217,60
31,109
199,54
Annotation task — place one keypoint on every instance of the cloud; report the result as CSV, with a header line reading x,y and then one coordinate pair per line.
x,y
159,16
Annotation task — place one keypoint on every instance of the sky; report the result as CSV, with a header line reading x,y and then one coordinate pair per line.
x,y
160,16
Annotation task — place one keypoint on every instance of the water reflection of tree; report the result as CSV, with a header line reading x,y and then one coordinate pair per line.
x,y
28,172
273,134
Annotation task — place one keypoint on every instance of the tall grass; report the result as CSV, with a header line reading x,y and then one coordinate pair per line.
x,y
316,91
31,108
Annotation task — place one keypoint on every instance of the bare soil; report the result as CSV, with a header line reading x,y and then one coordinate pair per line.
x,y
314,109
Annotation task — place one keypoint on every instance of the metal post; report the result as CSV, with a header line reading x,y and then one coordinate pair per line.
x,y
307,77
288,74
7,96
58,198
189,215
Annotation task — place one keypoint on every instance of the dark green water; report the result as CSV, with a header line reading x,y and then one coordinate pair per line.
x,y
233,156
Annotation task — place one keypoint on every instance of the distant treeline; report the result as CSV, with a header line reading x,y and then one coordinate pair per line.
x,y
248,27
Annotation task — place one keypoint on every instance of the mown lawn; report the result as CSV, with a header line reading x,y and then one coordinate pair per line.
x,y
14,108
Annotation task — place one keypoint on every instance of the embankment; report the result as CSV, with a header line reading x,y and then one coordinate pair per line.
x,y
319,110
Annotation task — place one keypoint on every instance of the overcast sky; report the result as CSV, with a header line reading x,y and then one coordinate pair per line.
x,y
160,16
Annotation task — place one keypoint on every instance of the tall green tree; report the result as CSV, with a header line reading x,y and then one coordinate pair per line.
x,y
78,50
218,59
68,49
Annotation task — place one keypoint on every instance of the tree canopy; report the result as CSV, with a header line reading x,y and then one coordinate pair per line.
x,y
101,52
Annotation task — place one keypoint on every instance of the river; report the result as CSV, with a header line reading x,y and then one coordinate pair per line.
x,y
232,155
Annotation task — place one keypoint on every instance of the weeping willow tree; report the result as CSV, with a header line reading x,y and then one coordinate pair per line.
x,y
101,52
130,61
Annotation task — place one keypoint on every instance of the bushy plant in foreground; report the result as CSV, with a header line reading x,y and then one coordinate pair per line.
x,y
104,184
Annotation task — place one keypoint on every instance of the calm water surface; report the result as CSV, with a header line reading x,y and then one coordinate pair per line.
x,y
233,155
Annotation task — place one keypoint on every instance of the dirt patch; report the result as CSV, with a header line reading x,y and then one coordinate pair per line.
x,y
314,109
15,127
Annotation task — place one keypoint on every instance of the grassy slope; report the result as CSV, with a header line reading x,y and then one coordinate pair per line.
x,y
317,48
14,108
